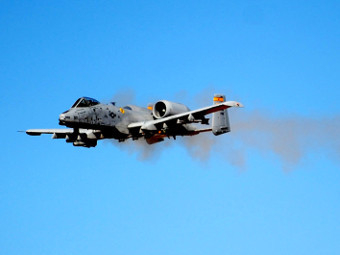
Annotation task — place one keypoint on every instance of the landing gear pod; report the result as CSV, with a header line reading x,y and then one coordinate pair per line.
x,y
220,120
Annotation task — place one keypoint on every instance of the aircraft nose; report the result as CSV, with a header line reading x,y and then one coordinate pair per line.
x,y
62,117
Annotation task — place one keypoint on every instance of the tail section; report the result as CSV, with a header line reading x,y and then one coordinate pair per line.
x,y
220,120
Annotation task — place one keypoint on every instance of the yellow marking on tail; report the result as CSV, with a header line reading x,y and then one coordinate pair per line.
x,y
218,99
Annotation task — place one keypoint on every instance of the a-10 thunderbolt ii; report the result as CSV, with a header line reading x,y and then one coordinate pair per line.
x,y
88,121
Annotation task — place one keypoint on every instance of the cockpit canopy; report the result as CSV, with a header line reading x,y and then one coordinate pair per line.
x,y
85,102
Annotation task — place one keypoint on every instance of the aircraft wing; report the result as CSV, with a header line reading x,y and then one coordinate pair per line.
x,y
79,137
66,133
58,131
186,117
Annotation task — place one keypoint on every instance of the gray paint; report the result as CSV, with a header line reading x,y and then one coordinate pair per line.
x,y
89,121
220,120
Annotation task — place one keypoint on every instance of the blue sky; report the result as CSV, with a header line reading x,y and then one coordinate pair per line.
x,y
279,58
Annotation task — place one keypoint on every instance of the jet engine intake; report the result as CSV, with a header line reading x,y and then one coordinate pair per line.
x,y
166,108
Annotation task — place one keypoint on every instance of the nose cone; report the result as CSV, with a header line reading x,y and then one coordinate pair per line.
x,y
64,118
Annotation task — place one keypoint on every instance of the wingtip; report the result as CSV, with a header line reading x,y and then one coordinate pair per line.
x,y
238,104
234,104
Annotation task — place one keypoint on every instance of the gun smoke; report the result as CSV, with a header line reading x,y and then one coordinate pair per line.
x,y
292,139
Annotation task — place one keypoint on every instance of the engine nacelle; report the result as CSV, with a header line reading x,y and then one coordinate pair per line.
x,y
166,108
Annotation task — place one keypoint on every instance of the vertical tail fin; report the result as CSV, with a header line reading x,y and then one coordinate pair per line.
x,y
220,120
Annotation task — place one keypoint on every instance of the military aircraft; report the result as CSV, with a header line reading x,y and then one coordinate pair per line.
x,y
88,121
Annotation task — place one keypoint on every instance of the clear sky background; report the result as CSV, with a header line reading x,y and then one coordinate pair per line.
x,y
271,186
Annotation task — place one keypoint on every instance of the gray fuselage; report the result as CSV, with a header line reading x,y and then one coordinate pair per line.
x,y
109,117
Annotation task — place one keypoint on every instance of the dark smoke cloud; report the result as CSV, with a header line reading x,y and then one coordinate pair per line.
x,y
124,97
289,138
143,150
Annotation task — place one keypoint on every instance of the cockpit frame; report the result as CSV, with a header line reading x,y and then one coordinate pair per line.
x,y
85,102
